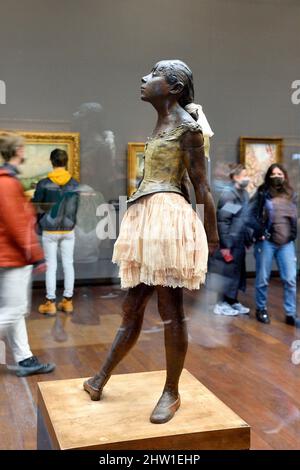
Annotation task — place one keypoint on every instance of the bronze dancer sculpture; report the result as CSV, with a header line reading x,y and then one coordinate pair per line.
x,y
162,244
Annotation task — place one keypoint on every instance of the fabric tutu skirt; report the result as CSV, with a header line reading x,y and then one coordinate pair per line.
x,y
161,242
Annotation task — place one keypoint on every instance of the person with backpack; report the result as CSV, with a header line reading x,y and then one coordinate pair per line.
x,y
20,255
273,216
57,197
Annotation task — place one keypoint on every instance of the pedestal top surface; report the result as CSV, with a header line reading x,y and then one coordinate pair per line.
x,y
122,414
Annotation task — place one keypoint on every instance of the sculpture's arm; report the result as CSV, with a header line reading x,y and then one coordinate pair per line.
x,y
194,159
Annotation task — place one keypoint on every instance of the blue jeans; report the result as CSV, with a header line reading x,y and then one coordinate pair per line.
x,y
285,256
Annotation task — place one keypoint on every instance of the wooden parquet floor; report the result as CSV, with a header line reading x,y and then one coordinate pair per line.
x,y
248,365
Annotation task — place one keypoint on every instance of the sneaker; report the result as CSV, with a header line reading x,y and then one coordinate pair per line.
x,y
292,320
32,366
48,308
262,315
223,308
66,305
241,308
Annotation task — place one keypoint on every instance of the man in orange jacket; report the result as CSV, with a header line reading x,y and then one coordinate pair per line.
x,y
19,253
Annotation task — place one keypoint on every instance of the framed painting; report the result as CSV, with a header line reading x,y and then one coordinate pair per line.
x,y
135,165
38,146
257,154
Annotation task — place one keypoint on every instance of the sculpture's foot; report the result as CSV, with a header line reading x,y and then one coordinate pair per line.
x,y
165,409
95,393
94,386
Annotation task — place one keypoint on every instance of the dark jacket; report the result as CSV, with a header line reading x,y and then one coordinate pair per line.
x,y
19,244
259,218
232,213
57,198
234,234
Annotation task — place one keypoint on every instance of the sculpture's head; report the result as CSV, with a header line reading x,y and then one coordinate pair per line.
x,y
168,78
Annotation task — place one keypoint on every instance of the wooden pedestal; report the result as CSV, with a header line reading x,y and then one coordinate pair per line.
x,y
68,419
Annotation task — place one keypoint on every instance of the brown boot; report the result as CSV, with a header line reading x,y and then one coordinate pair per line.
x,y
48,308
66,305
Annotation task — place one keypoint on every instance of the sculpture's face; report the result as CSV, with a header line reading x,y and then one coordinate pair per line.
x,y
154,85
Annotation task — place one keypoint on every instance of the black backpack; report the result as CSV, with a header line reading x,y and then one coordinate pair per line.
x,y
62,215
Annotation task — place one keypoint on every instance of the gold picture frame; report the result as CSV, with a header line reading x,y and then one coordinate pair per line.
x,y
257,154
135,165
38,146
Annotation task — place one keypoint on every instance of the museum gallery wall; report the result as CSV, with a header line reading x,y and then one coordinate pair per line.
x,y
81,73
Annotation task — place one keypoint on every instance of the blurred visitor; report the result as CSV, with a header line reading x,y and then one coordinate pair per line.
x,y
273,216
99,167
19,252
57,198
227,271
221,180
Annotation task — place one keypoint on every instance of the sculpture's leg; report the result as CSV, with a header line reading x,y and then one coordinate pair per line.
x,y
133,313
170,305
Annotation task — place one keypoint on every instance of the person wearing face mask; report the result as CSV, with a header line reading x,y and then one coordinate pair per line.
x,y
273,216
227,265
